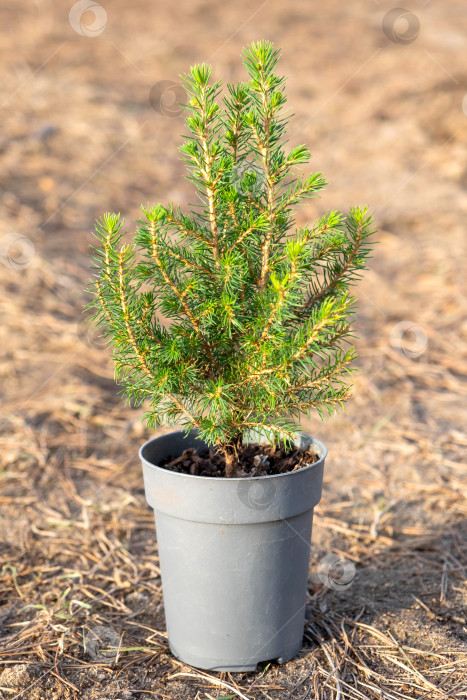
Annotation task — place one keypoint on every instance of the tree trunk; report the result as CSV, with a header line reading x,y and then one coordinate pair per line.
x,y
231,450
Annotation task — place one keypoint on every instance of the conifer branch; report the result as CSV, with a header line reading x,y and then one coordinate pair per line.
x,y
126,315
329,286
324,378
207,117
191,264
271,215
210,189
321,401
141,356
244,234
105,308
182,228
281,297
362,231
334,316
234,219
180,296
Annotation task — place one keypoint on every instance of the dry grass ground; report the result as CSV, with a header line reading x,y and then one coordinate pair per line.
x,y
386,124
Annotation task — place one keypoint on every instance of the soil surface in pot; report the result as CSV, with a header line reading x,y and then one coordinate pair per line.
x,y
254,460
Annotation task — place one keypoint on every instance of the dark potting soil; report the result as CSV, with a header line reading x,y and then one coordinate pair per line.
x,y
254,460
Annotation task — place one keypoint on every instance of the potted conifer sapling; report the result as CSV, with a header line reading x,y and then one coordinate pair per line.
x,y
232,323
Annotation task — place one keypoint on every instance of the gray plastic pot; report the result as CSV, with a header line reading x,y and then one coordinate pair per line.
x,y
234,556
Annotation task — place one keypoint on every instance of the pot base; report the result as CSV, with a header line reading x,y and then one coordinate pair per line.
x,y
244,666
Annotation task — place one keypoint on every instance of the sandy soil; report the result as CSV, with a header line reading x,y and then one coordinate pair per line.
x,y
382,103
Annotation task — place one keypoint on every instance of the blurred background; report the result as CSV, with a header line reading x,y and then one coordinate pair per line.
x,y
90,123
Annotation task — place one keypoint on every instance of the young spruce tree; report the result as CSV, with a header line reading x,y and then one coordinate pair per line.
x,y
258,313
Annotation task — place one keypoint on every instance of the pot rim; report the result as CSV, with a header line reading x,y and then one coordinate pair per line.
x,y
231,479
